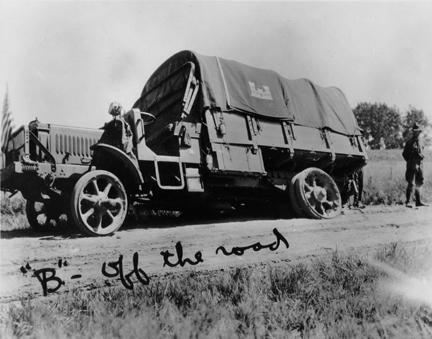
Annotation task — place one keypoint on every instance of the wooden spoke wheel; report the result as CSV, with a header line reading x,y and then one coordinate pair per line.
x,y
45,214
318,194
99,203
294,199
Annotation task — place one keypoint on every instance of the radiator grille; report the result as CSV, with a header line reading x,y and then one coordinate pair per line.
x,y
74,145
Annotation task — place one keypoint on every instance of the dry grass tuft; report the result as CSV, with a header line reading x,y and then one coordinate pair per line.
x,y
12,212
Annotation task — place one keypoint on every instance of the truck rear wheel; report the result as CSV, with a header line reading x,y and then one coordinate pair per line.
x,y
294,198
44,214
99,203
318,194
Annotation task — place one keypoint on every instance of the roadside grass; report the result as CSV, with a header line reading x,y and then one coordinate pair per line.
x,y
384,177
12,213
384,182
336,297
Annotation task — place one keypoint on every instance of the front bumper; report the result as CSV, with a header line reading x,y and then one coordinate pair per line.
x,y
8,173
18,173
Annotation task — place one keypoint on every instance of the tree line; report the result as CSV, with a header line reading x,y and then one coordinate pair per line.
x,y
388,127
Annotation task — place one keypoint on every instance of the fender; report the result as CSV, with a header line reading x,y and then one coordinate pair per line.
x,y
134,173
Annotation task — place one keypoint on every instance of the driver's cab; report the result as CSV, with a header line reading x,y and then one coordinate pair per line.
x,y
167,170
168,135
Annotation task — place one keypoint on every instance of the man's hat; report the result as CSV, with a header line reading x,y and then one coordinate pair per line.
x,y
416,128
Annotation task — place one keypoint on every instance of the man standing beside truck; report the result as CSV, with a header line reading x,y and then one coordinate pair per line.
x,y
413,155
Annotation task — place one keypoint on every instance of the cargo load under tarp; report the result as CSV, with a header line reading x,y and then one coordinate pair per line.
x,y
228,85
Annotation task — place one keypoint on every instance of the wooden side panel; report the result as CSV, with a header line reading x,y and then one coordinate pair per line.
x,y
307,138
238,158
232,143
270,134
345,145
234,125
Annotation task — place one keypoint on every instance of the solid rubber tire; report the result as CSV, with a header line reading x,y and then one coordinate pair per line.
x,y
294,198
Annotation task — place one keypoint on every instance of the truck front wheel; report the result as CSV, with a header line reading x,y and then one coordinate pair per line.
x,y
99,203
45,214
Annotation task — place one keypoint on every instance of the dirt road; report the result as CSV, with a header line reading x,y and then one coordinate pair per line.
x,y
81,258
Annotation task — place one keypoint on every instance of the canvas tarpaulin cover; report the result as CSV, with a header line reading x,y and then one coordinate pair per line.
x,y
232,86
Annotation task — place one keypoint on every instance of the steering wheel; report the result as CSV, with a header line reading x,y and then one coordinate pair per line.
x,y
147,118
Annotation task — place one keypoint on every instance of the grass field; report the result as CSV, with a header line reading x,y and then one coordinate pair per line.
x,y
393,155
384,177
337,297
384,182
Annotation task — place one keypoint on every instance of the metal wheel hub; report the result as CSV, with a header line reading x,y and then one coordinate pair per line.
x,y
319,194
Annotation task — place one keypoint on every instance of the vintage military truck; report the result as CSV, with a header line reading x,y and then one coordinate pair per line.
x,y
208,133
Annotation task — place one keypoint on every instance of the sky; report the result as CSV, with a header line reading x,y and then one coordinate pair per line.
x,y
64,62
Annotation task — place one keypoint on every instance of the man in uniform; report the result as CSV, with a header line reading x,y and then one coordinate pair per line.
x,y
117,132
358,178
413,155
